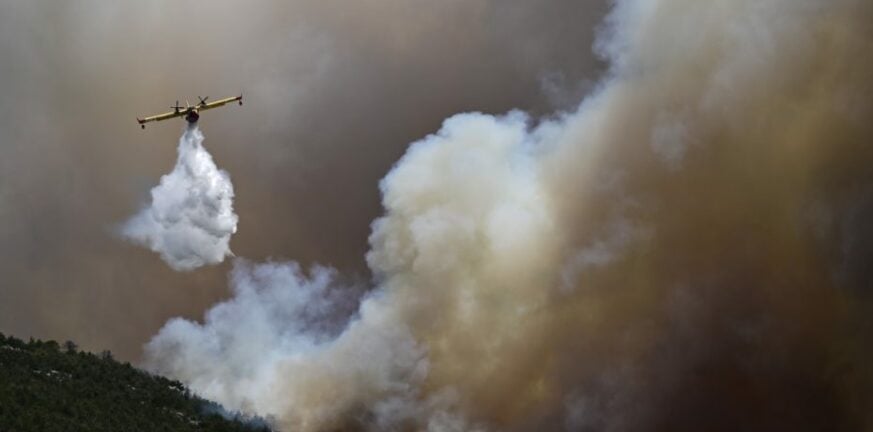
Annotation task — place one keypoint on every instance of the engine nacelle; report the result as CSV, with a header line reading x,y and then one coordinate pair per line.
x,y
192,116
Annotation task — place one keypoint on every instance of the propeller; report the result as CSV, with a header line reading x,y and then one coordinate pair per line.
x,y
176,107
202,100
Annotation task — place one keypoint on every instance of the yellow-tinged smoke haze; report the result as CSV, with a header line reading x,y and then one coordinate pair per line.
x,y
686,250
684,244
335,91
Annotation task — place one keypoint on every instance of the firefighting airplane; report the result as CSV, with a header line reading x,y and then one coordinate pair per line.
x,y
190,112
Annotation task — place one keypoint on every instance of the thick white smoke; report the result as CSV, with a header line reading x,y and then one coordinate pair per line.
x,y
190,218
589,272
451,201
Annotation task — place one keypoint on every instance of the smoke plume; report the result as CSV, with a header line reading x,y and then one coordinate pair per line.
x,y
190,218
306,152
681,252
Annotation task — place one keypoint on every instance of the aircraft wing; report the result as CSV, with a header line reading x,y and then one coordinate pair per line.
x,y
191,113
159,117
221,102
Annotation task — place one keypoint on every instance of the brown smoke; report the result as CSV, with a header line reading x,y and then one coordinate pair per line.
x,y
334,93
687,250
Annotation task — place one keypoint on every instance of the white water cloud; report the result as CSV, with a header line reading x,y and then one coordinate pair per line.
x,y
190,218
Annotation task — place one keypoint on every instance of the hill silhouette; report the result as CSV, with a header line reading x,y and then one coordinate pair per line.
x,y
48,387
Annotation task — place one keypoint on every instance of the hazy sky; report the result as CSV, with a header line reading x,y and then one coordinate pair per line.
x,y
334,93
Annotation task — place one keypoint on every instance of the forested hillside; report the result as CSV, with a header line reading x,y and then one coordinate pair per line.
x,y
48,387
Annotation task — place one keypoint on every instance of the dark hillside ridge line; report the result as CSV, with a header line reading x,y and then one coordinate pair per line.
x,y
46,386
